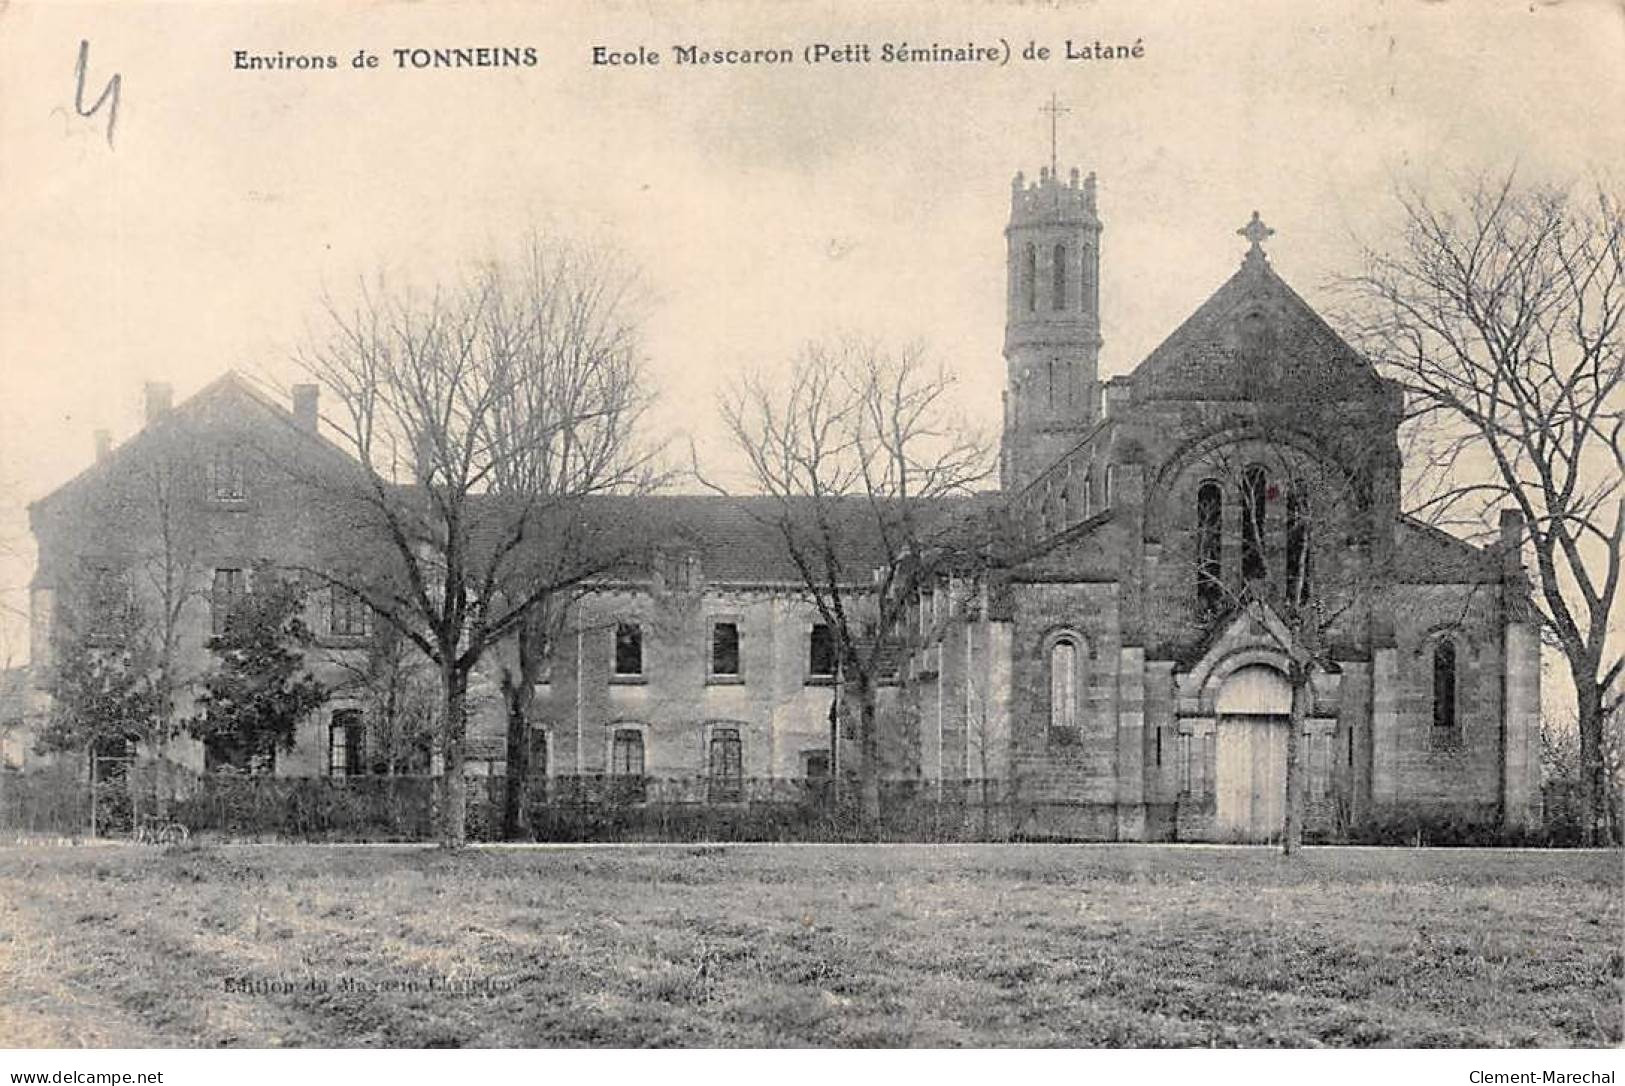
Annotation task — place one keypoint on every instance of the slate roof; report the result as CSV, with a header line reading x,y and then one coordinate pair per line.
x,y
736,538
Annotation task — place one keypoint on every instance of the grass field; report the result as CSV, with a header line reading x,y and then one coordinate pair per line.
x,y
837,945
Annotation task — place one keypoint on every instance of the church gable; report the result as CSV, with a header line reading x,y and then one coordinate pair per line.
x,y
1255,339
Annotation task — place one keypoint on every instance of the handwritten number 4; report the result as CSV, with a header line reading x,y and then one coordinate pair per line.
x,y
109,91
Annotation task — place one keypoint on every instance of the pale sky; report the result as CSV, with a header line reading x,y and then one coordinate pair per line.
x,y
765,205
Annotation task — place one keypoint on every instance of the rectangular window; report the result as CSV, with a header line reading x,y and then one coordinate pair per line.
x,y
230,586
227,483
821,652
725,649
350,615
626,765
536,755
628,649
727,766
346,744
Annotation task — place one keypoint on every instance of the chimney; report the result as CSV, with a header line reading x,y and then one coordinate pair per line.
x,y
104,445
305,399
1512,541
160,396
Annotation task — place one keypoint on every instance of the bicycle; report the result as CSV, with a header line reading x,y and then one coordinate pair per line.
x,y
156,831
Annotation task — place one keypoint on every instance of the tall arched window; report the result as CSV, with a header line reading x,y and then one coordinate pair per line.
x,y
1088,493
1063,684
1445,719
1298,565
1058,284
1029,279
1255,494
1209,546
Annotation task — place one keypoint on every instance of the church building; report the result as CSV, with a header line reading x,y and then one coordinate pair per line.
x,y
1204,540
1229,505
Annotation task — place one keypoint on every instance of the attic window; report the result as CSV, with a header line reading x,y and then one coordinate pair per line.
x,y
226,477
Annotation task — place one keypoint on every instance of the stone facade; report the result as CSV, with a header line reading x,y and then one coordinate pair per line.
x,y
1123,675
1247,469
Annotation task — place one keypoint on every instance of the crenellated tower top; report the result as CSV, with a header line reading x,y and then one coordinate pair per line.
x,y
1052,320
1048,201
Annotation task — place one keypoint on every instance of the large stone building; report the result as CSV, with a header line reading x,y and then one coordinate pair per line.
x,y
1187,529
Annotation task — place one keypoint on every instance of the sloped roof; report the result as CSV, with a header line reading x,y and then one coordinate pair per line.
x,y
1424,554
739,539
1254,339
230,385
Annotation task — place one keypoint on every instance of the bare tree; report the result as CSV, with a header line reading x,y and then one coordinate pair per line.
x,y
1499,311
859,450
477,384
581,400
169,567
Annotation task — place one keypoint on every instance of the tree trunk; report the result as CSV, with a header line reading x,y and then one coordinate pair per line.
x,y
160,775
516,694
453,783
868,761
1593,774
1292,827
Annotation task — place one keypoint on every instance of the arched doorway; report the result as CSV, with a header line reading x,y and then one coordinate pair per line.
x,y
1254,712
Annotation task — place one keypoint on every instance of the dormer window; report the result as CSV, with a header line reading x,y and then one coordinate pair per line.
x,y
227,482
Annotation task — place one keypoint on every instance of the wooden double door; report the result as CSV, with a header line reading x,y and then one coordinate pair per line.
x,y
1250,776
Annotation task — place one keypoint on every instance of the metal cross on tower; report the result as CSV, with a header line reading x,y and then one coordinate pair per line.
x,y
1256,232
1054,109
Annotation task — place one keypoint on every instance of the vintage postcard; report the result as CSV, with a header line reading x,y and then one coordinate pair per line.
x,y
811,525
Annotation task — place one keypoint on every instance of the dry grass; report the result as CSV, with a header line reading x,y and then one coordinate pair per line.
x,y
763,945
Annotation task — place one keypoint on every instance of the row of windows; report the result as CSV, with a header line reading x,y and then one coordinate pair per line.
x,y
1067,500
724,659
1256,495
348,615
1060,273
725,762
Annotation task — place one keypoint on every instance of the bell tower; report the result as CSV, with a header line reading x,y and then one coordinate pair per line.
x,y
1052,322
